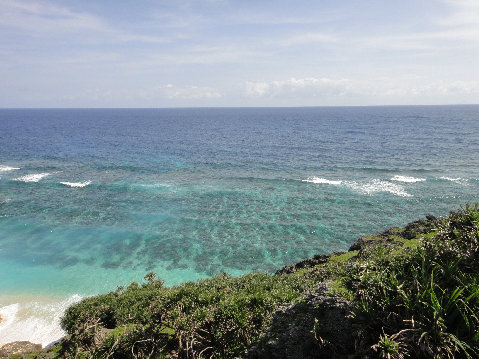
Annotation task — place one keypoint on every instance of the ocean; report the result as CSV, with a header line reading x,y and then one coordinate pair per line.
x,y
93,199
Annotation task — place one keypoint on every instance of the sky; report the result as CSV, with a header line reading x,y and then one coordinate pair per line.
x,y
235,53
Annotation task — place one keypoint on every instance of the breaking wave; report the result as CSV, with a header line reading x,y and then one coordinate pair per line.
x,y
319,180
37,321
8,168
377,185
407,179
76,184
33,177
456,180
367,188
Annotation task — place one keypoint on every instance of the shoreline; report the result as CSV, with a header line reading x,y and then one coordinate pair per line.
x,y
32,318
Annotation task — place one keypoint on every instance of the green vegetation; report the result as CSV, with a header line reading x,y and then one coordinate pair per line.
x,y
220,316
413,293
423,302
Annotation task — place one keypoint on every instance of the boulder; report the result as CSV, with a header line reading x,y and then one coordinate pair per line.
x,y
18,348
307,263
317,326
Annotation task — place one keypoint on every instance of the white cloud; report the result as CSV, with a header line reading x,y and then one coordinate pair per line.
x,y
38,19
205,55
109,95
443,88
462,12
418,91
422,41
329,54
293,87
382,90
188,92
453,27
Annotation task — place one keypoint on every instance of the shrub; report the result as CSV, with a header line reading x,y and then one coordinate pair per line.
x,y
217,317
429,299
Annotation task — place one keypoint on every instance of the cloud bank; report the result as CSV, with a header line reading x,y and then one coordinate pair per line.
x,y
223,53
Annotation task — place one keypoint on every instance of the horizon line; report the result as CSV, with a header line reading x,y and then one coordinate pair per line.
x,y
227,107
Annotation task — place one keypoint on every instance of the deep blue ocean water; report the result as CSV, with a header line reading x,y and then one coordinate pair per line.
x,y
91,199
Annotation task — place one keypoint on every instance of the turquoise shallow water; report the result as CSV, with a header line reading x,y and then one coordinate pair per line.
x,y
94,199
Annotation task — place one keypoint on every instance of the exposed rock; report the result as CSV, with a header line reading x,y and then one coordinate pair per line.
x,y
361,243
420,227
307,263
385,236
317,326
18,348
412,230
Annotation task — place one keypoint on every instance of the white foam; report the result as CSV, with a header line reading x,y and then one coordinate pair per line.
x,y
457,180
8,168
377,185
319,180
76,184
34,321
8,314
33,177
407,179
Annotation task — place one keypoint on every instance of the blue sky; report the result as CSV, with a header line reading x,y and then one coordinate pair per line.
x,y
180,53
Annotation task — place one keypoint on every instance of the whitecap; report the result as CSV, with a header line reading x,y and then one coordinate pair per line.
x,y
34,321
368,188
377,185
33,177
319,180
8,168
407,179
456,180
76,184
